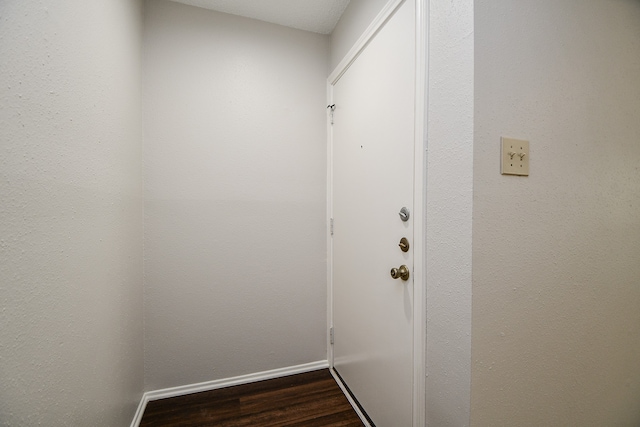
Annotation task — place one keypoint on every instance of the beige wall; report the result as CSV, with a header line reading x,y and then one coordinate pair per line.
x,y
556,295
235,195
71,349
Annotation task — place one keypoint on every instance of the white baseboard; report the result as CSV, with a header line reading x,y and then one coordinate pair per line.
x,y
137,418
222,383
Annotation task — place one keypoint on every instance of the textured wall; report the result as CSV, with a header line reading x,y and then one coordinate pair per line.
x,y
449,212
353,22
70,213
235,193
556,297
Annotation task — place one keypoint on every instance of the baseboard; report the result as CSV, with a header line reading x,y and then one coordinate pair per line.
x,y
137,418
222,383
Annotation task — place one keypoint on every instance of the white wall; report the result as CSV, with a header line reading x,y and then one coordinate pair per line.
x,y
235,193
353,22
556,297
70,213
449,212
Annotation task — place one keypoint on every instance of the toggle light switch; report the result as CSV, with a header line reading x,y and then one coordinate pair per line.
x,y
515,157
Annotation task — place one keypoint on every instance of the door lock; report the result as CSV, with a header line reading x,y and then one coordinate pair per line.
x,y
400,273
404,214
404,244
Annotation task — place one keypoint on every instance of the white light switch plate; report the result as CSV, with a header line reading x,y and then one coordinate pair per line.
x,y
515,157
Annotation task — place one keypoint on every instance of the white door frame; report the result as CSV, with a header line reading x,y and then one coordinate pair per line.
x,y
418,246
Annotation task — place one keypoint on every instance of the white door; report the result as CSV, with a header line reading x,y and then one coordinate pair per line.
x,y
373,176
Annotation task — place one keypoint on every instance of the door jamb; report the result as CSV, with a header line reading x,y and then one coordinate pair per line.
x,y
419,177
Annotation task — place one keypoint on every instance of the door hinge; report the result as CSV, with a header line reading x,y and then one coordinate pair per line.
x,y
332,108
331,226
331,335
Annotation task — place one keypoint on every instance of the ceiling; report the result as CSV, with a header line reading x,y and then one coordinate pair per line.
x,y
318,16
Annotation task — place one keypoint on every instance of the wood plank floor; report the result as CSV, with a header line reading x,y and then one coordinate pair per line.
x,y
309,399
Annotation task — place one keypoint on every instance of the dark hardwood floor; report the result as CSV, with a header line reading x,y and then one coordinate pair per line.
x,y
310,399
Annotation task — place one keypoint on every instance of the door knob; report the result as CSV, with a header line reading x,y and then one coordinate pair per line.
x,y
400,273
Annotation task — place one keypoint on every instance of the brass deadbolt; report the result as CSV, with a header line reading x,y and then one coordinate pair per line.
x,y
404,244
400,273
